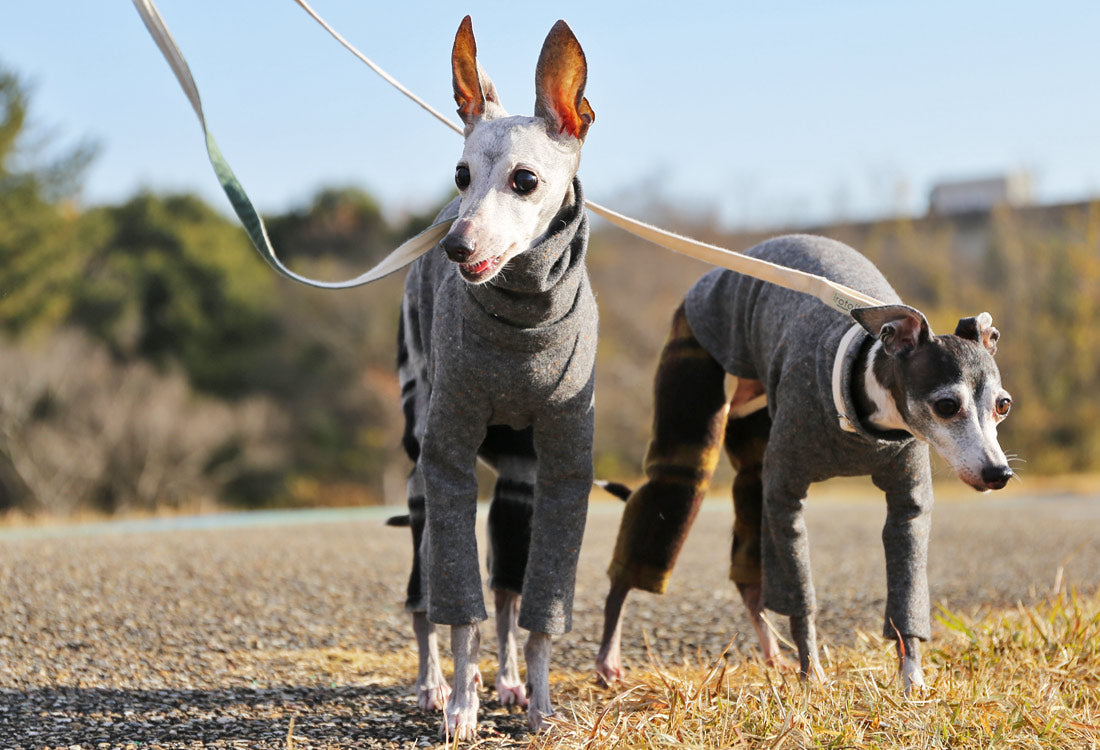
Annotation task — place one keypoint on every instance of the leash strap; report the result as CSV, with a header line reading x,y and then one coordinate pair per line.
x,y
835,295
838,296
406,253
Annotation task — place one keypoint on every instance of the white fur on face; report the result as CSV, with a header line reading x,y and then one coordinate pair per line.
x,y
498,222
968,440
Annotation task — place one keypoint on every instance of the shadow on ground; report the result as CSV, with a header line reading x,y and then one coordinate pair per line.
x,y
356,717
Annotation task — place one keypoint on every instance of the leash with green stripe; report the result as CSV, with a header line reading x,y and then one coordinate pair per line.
x,y
835,295
409,251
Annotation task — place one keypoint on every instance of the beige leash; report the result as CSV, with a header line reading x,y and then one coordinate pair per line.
x,y
835,295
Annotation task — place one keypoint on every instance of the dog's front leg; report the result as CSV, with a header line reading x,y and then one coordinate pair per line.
x,y
804,634
510,691
454,575
537,655
460,716
785,551
905,542
909,657
563,443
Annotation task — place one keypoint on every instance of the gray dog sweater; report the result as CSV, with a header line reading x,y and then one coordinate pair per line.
x,y
790,341
519,351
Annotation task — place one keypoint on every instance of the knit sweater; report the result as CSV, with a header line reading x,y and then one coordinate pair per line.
x,y
789,341
519,351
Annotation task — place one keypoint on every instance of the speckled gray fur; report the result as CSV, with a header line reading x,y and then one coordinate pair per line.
x,y
789,341
518,351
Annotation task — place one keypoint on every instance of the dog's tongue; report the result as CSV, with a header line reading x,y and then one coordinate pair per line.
x,y
479,267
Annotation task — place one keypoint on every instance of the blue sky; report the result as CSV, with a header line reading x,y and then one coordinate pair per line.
x,y
763,113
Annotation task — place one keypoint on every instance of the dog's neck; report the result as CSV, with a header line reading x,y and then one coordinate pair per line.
x,y
875,390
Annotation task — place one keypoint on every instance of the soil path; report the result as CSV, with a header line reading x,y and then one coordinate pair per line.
x,y
211,633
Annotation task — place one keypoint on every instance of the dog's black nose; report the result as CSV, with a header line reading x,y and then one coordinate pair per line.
x,y
457,247
996,477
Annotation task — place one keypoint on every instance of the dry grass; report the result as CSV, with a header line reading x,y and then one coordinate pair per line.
x,y
1027,678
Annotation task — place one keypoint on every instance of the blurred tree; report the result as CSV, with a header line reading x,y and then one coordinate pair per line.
x,y
169,280
342,222
40,249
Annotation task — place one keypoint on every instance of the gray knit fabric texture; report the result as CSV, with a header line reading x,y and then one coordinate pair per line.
x,y
518,351
789,341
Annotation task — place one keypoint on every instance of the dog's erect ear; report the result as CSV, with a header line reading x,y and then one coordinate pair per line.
x,y
475,94
979,329
559,84
900,328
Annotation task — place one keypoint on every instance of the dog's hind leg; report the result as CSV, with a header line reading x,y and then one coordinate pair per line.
x,y
609,659
512,454
746,439
432,689
690,407
509,684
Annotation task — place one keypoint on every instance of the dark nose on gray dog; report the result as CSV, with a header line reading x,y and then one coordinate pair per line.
x,y
996,477
457,248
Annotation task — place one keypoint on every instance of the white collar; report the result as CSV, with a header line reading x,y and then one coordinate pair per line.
x,y
847,422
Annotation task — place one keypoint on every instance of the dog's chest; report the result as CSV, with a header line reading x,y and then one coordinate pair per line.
x,y
524,342
509,371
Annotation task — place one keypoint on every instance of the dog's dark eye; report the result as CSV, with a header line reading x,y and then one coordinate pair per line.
x,y
946,407
462,176
524,181
1004,404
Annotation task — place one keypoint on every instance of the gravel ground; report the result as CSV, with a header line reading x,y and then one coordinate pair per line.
x,y
160,635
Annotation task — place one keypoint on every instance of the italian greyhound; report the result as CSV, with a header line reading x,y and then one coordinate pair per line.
x,y
816,396
496,354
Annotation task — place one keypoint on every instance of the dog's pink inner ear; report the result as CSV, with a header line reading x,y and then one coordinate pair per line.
x,y
467,87
904,333
989,339
980,330
560,79
900,328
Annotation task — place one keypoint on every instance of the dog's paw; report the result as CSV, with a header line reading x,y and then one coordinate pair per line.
x,y
536,717
813,674
912,678
609,668
459,723
432,697
511,693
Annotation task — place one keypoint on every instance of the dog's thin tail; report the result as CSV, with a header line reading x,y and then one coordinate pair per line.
x,y
618,489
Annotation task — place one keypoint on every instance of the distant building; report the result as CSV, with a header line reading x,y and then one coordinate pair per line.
x,y
966,196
